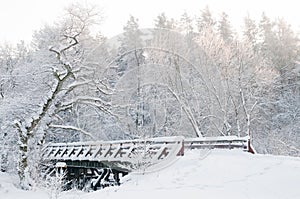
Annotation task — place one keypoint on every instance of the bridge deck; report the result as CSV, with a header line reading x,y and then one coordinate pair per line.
x,y
123,151
116,153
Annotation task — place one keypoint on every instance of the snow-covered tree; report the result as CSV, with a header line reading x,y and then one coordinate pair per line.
x,y
205,20
12,59
163,22
64,74
250,31
224,28
170,80
186,24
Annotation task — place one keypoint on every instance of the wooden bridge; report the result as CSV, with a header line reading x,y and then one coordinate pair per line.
x,y
96,161
115,154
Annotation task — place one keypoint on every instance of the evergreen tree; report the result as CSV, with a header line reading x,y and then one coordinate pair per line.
x,y
286,46
224,28
131,38
266,35
250,31
162,22
186,24
205,20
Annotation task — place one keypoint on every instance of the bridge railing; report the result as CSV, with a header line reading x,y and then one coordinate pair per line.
x,y
221,142
122,151
128,154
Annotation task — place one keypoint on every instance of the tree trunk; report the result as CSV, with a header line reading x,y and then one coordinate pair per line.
x,y
23,162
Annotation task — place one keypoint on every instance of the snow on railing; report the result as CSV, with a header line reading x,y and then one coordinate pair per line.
x,y
119,151
221,142
129,154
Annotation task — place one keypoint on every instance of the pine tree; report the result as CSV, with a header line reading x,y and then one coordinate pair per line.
x,y
224,28
186,24
131,38
250,31
266,35
205,21
162,22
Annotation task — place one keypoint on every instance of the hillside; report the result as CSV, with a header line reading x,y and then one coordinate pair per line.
x,y
198,174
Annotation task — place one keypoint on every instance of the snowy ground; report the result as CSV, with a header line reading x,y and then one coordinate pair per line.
x,y
198,174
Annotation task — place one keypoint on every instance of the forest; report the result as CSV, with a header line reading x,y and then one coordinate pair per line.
x,y
193,76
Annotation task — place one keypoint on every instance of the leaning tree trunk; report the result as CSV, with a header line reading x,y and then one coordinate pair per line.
x,y
26,132
23,171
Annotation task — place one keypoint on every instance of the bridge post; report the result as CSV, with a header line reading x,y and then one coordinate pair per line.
x,y
181,151
250,147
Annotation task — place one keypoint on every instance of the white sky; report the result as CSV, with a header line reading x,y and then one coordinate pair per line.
x,y
19,18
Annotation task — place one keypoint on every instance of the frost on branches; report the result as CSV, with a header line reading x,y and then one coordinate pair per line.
x,y
66,75
184,77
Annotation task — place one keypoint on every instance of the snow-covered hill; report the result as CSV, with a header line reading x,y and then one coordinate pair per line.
x,y
199,174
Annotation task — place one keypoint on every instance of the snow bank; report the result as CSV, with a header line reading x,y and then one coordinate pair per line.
x,y
9,191
215,174
199,174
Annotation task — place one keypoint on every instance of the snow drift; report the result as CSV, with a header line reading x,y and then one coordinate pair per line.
x,y
198,174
